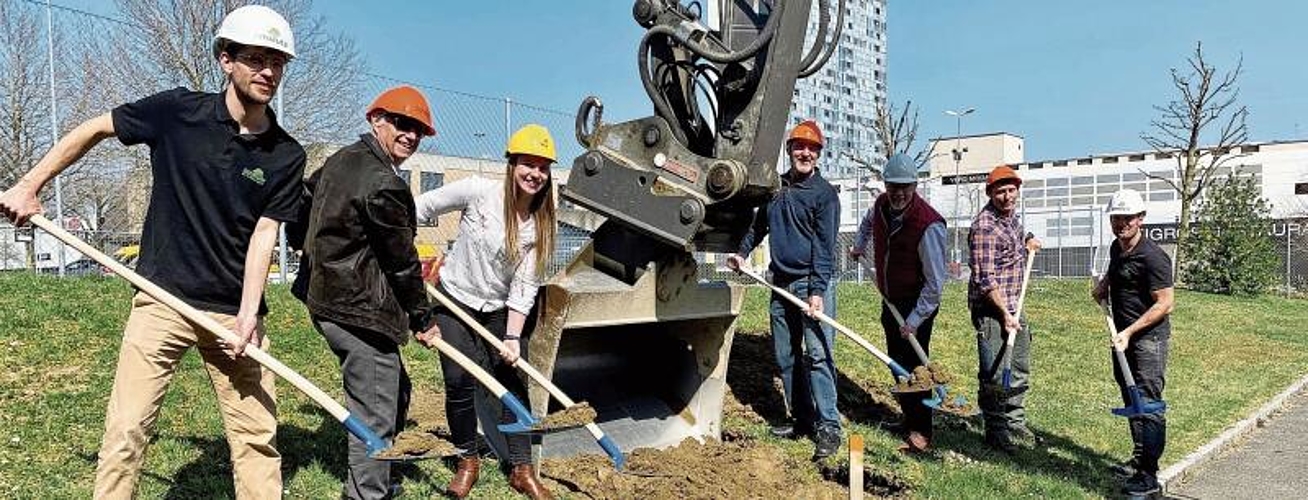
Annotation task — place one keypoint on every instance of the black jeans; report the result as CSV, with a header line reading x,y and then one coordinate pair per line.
x,y
460,386
377,392
1146,355
917,416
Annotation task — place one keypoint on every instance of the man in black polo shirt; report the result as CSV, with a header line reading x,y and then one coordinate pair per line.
x,y
225,175
1138,286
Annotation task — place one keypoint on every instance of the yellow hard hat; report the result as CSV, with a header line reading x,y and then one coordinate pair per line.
x,y
532,139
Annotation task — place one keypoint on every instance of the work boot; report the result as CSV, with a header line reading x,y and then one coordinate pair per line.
x,y
827,442
1125,469
1001,443
1141,484
916,442
464,476
784,430
523,480
1023,436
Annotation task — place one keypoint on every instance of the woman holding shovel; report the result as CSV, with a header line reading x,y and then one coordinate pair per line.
x,y
1138,287
505,240
908,242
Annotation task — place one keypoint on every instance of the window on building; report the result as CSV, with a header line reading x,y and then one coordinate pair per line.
x,y
1108,179
1110,159
1132,177
1034,183
1033,193
1083,180
1135,158
1083,190
1159,186
1103,200
1108,188
1035,165
1085,161
1250,148
1057,182
428,181
1083,201
1138,186
1168,195
1056,192
1060,163
1301,188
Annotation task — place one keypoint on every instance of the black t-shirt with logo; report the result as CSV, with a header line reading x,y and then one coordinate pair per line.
x,y
211,186
1132,280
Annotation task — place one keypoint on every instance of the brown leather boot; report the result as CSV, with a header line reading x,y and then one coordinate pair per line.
x,y
523,480
464,477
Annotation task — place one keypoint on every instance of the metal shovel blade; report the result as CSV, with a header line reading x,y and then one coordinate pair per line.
x,y
1138,406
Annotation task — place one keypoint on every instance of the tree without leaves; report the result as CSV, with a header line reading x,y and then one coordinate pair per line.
x,y
896,133
167,43
24,91
1205,112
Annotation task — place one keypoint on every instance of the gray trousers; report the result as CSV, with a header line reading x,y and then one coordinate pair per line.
x,y
377,392
1146,355
1004,411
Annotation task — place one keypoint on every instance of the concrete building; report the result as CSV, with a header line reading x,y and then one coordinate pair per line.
x,y
844,95
1062,200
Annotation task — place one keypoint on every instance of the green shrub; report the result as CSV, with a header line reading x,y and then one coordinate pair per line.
x,y
1231,251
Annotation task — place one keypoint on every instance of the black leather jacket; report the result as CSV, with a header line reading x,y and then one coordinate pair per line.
x,y
360,267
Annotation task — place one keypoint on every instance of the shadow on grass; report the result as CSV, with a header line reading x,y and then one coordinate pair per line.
x,y
1054,456
754,380
210,475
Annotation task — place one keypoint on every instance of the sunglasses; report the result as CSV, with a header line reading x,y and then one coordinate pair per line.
x,y
406,124
259,60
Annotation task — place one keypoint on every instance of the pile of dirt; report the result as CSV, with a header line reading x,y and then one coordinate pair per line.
x,y
737,469
575,416
412,444
919,381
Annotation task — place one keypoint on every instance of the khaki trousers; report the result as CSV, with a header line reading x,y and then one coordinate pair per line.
x,y
154,341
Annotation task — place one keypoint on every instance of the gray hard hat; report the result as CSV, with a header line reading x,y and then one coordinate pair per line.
x,y
900,169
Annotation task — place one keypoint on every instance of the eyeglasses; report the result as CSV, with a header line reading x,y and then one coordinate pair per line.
x,y
406,124
259,60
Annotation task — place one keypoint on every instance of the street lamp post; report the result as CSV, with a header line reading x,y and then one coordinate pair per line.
x,y
958,159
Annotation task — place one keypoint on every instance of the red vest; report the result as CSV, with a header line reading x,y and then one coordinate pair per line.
x,y
900,279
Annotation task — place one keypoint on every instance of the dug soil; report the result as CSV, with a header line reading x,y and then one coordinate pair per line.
x,y
575,416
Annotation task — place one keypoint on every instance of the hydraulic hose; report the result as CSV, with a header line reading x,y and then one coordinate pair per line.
x,y
716,56
835,41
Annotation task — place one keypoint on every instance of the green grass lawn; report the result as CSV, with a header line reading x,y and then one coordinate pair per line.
x,y
59,339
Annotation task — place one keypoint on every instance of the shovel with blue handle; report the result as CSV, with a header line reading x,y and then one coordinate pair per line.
x,y
605,442
525,423
1138,405
356,427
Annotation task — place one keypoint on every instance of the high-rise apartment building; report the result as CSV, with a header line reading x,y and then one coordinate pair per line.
x,y
844,95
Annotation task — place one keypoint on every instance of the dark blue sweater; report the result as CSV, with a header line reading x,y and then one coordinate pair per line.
x,y
803,218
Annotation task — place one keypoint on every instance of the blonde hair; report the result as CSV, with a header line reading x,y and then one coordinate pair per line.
x,y
543,210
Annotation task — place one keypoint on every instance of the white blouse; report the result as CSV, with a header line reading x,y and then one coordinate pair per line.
x,y
477,271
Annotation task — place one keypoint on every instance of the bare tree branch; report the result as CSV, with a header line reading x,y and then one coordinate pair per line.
x,y
1187,128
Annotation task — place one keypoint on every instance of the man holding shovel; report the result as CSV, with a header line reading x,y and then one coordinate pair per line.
x,y
802,218
998,247
1138,286
364,286
908,247
225,174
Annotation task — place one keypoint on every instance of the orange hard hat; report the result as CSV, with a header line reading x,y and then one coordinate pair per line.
x,y
1002,173
406,101
807,130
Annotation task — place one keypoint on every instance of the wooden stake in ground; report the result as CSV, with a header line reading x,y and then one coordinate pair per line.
x,y
856,467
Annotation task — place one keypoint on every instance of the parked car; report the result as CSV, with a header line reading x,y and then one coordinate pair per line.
x,y
79,267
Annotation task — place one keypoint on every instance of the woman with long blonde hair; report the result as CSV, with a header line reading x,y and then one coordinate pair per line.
x,y
504,243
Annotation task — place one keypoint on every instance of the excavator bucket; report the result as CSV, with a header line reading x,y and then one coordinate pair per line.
x,y
649,355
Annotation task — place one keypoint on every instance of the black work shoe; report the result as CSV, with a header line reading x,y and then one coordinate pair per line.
x,y
1002,444
1124,470
1141,484
784,430
827,442
1025,438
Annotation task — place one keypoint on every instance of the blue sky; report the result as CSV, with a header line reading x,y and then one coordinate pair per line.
x,y
1073,78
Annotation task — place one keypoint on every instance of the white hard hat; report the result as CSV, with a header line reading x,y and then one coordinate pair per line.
x,y
1126,202
899,170
258,26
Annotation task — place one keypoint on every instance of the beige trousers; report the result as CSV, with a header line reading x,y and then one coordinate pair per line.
x,y
154,341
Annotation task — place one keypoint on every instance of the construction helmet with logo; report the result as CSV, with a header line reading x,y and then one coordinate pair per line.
x,y
899,169
807,130
1126,202
531,139
257,26
1002,173
405,101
